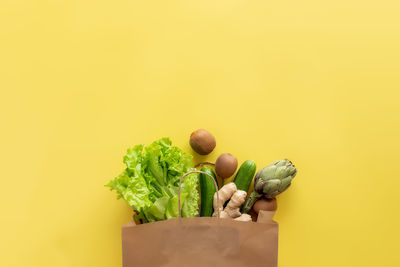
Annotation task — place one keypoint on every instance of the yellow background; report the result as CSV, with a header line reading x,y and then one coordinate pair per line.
x,y
314,81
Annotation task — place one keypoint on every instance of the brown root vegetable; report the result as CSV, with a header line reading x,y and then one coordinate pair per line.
x,y
265,204
226,165
202,142
243,218
236,199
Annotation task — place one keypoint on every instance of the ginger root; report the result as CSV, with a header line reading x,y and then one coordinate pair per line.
x,y
233,207
224,194
244,218
232,210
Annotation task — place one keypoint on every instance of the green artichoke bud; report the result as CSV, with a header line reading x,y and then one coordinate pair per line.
x,y
270,181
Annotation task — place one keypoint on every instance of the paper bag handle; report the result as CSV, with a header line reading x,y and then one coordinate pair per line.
x,y
180,184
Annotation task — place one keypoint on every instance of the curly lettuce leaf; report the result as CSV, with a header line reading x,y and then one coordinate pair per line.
x,y
150,181
131,188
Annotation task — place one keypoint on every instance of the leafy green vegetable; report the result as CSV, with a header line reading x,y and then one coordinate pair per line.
x,y
150,182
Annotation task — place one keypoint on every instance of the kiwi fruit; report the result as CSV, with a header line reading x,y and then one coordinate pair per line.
x,y
226,165
202,141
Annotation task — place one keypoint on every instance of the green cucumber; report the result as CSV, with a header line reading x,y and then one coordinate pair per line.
x,y
245,175
207,191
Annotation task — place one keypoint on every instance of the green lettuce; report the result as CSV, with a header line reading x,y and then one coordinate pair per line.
x,y
150,182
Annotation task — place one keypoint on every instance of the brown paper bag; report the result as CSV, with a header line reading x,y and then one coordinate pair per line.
x,y
201,241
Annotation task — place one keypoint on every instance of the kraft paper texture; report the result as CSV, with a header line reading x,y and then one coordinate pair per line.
x,y
201,241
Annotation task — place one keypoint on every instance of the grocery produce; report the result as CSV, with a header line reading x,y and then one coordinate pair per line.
x,y
245,175
271,181
207,191
236,199
265,204
205,174
149,184
202,142
226,165
244,218
225,193
156,175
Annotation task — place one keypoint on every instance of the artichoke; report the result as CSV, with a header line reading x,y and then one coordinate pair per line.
x,y
271,181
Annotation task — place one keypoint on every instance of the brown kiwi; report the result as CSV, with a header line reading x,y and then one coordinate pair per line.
x,y
202,141
226,165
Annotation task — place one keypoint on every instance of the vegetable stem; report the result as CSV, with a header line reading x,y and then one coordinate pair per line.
x,y
254,196
204,163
